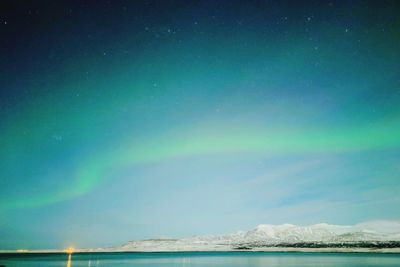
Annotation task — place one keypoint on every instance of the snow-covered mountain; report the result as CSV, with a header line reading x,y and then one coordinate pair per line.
x,y
288,233
265,235
293,233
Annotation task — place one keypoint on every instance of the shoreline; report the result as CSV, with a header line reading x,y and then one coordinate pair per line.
x,y
254,250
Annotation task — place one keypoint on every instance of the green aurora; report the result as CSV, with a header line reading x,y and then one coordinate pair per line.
x,y
89,175
162,114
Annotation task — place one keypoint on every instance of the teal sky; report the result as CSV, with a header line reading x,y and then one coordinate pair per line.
x,y
130,120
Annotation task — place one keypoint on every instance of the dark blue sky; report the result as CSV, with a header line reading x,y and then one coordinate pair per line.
x,y
125,120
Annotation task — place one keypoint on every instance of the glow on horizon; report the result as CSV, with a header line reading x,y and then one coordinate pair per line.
x,y
70,250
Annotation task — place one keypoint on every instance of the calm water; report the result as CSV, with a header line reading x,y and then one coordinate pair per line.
x,y
221,259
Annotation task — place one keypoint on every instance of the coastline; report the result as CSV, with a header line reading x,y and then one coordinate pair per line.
x,y
255,250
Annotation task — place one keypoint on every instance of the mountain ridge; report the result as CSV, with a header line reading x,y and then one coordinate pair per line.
x,y
375,234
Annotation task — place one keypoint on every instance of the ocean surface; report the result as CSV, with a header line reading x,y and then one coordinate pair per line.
x,y
221,259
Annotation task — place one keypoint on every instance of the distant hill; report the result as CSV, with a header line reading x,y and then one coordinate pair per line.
x,y
374,235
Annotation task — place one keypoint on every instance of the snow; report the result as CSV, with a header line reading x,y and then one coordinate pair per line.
x,y
264,234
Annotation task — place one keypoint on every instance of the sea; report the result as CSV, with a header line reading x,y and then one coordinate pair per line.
x,y
188,259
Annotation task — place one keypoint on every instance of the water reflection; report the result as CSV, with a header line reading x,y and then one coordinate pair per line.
x,y
222,259
69,260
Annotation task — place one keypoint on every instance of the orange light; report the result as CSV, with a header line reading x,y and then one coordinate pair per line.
x,y
70,250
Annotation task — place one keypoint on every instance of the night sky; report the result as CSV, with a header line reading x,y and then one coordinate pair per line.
x,y
127,120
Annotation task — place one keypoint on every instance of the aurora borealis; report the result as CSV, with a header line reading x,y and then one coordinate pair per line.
x,y
124,120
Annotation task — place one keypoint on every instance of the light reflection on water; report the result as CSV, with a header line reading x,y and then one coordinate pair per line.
x,y
69,260
220,259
